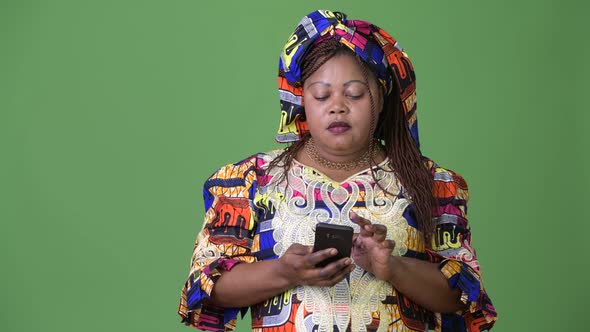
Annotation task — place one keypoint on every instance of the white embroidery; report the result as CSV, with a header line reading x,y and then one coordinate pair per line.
x,y
295,219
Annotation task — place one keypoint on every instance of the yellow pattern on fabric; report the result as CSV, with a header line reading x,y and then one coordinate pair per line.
x,y
415,239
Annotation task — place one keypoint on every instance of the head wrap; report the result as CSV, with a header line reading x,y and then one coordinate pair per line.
x,y
373,45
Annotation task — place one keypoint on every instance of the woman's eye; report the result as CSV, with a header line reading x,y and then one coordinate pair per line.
x,y
355,96
321,98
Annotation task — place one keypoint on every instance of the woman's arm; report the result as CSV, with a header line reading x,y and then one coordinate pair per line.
x,y
251,283
419,280
423,282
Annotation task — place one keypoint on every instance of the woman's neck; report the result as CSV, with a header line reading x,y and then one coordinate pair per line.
x,y
339,167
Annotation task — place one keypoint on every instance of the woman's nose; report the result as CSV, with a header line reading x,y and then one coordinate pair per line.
x,y
339,106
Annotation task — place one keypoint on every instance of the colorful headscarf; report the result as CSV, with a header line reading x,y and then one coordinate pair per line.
x,y
373,45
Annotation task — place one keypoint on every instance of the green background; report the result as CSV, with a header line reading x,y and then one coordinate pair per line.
x,y
113,113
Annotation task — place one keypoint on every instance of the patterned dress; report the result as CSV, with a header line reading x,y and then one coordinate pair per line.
x,y
254,216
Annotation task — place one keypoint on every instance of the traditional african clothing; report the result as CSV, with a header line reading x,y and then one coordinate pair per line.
x,y
253,216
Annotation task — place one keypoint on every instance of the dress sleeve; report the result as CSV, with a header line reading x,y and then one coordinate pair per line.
x,y
451,247
224,241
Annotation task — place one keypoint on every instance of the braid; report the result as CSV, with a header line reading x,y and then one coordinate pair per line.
x,y
408,164
405,158
285,159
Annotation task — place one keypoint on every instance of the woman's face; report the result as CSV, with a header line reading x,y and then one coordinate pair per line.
x,y
338,106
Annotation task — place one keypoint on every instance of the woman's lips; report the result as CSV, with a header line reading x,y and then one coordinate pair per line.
x,y
338,127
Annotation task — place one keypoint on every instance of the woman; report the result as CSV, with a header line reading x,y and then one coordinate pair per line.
x,y
354,160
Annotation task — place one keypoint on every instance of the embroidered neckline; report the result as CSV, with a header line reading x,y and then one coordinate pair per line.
x,y
382,165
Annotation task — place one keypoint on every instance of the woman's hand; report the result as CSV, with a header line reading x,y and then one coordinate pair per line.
x,y
370,249
298,265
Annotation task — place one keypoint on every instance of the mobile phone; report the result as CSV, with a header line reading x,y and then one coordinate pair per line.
x,y
333,236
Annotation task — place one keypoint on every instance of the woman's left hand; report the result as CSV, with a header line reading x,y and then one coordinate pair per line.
x,y
370,250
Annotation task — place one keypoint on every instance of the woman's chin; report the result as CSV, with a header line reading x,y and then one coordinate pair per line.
x,y
344,149
344,144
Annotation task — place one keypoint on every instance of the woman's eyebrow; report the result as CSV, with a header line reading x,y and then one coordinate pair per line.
x,y
320,82
345,84
354,81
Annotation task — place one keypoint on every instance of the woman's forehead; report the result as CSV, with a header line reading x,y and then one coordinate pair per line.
x,y
341,70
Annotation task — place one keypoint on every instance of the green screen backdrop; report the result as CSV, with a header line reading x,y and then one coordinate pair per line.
x,y
113,114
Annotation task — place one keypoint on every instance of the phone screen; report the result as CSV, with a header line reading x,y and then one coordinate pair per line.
x,y
333,236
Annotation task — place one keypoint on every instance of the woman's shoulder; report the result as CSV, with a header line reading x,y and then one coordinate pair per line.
x,y
237,181
236,172
447,182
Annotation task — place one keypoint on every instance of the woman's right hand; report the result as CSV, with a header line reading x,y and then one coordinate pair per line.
x,y
298,266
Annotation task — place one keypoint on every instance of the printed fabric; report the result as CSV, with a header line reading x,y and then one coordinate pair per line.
x,y
251,216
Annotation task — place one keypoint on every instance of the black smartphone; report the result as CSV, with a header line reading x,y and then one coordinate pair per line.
x,y
333,236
